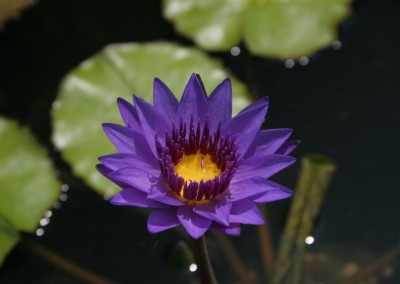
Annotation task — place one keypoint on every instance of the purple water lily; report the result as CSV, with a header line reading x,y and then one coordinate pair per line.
x,y
194,163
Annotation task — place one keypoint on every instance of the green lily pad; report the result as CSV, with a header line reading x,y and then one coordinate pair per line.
x,y
8,238
28,185
272,28
88,94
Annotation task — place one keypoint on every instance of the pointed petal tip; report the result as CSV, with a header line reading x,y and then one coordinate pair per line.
x,y
121,100
157,82
100,168
195,78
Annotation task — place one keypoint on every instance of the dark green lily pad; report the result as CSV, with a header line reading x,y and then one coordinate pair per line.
x,y
272,28
28,185
9,237
88,95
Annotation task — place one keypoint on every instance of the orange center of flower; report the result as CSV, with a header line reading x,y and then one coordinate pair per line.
x,y
197,167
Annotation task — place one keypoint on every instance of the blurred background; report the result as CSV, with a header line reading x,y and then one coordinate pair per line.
x,y
342,100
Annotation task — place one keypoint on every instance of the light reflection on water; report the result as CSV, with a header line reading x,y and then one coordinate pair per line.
x,y
289,63
193,267
235,51
337,44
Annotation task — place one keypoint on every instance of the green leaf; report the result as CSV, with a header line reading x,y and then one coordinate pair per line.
x,y
28,185
8,238
272,28
88,95
214,25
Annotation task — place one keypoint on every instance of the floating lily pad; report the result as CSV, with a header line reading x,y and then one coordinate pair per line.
x,y
27,183
88,95
8,238
272,28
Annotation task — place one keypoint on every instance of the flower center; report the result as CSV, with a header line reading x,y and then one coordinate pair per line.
x,y
197,167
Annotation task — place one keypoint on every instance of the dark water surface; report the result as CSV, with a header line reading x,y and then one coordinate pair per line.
x,y
344,103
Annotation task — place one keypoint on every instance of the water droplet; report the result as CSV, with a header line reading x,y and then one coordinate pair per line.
x,y
303,61
289,63
56,105
65,187
337,44
63,197
193,267
57,205
39,232
107,196
235,51
309,240
48,214
43,222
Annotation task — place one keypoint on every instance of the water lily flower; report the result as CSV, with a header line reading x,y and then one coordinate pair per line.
x,y
193,163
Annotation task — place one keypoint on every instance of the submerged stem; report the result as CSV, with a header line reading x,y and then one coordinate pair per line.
x,y
66,265
205,270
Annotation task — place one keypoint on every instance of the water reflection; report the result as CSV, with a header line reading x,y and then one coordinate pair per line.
x,y
289,63
64,187
235,51
57,205
303,61
63,197
309,240
337,44
43,222
48,213
39,232
193,267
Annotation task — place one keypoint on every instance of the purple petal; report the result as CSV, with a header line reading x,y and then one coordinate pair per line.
x,y
152,122
269,141
232,229
246,124
107,172
246,212
164,101
288,147
280,192
263,166
194,224
162,219
132,197
138,177
249,187
120,136
217,211
119,160
159,194
129,114
193,102
220,102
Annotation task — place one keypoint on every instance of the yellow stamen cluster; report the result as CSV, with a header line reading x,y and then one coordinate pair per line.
x,y
197,167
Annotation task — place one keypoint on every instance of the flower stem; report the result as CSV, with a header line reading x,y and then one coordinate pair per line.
x,y
205,270
65,264
233,258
